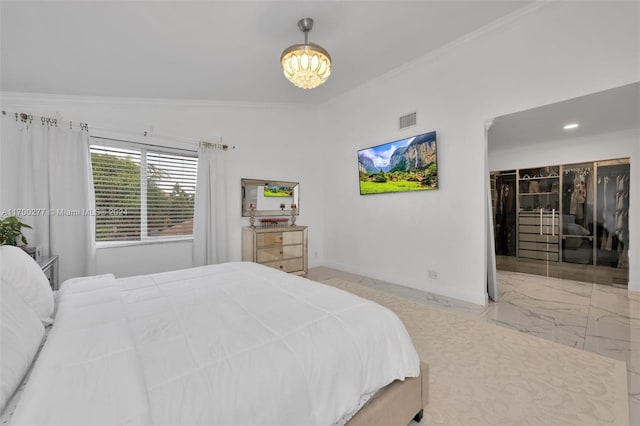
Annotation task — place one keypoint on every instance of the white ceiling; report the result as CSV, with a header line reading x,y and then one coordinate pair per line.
x,y
609,111
219,50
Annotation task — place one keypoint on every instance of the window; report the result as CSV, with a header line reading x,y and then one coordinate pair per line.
x,y
142,193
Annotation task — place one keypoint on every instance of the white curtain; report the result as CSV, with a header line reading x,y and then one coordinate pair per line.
x,y
47,182
210,217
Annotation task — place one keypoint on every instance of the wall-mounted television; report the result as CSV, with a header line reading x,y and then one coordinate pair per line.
x,y
278,191
405,165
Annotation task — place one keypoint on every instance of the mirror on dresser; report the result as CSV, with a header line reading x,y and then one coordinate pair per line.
x,y
270,197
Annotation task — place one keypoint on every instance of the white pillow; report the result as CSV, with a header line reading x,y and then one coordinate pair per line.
x,y
23,273
21,332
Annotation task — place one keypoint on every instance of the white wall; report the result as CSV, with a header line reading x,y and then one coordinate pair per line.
x,y
554,52
604,146
273,143
622,144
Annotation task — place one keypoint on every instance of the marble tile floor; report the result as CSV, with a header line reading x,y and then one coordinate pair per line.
x,y
592,317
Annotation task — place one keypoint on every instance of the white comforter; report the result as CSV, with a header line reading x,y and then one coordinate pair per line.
x,y
228,344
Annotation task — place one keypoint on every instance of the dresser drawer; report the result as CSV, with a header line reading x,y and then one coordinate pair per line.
x,y
535,229
291,265
538,246
535,220
266,239
539,238
540,255
279,253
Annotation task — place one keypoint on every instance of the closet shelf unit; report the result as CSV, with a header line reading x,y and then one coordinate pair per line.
x,y
539,213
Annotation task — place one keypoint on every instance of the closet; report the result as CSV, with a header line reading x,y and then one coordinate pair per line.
x,y
568,220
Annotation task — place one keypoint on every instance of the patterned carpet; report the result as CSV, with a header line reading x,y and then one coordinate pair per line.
x,y
484,374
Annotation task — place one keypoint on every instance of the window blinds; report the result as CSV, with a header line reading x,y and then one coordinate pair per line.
x,y
142,193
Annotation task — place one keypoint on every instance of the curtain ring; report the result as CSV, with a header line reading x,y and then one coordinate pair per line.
x,y
43,120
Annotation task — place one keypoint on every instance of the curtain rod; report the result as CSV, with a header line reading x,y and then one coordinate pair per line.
x,y
54,121
145,144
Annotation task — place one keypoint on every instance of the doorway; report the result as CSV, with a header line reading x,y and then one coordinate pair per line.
x,y
561,195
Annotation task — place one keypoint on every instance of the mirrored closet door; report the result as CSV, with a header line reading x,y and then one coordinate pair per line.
x,y
578,200
503,193
568,221
612,214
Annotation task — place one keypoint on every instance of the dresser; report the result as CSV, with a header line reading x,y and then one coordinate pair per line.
x,y
283,248
539,235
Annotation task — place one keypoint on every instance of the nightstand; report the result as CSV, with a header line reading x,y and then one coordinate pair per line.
x,y
49,265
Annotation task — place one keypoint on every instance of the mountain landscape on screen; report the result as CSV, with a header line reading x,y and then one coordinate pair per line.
x,y
405,165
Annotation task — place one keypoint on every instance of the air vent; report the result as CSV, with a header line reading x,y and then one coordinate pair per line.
x,y
408,120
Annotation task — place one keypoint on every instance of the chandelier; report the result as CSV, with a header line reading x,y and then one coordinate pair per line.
x,y
306,65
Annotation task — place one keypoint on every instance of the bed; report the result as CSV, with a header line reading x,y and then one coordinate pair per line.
x,y
237,343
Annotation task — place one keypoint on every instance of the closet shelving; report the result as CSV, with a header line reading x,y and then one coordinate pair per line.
x,y
538,213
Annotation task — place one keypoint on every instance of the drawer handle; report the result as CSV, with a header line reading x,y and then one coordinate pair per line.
x,y
281,252
540,220
281,266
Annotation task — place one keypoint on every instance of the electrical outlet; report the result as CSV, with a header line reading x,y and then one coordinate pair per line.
x,y
315,254
433,275
38,252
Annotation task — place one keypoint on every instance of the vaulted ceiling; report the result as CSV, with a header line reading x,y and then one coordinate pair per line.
x,y
219,50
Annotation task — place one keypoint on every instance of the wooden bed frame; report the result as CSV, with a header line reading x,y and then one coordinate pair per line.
x,y
396,404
